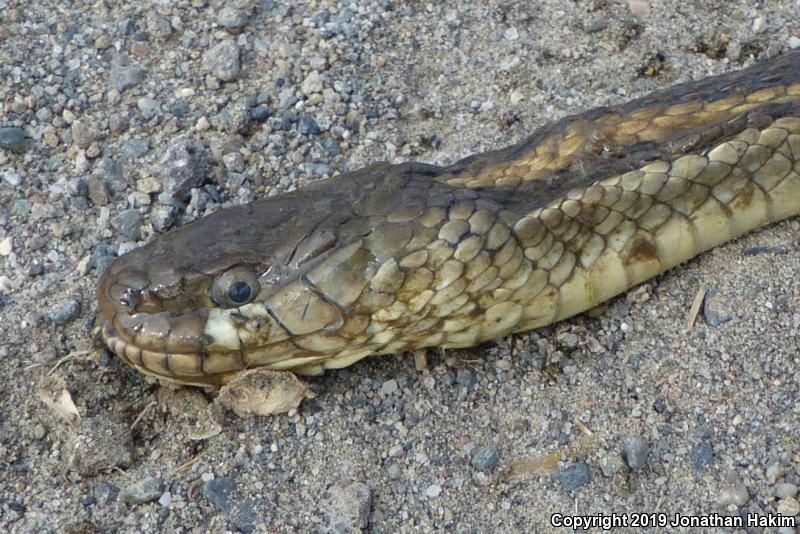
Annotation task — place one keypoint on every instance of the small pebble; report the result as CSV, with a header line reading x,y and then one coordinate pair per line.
x,y
222,60
347,506
129,224
389,387
574,476
789,506
140,492
735,493
784,489
433,491
225,495
511,34
64,312
702,455
13,139
6,246
231,18
635,450
485,459
308,126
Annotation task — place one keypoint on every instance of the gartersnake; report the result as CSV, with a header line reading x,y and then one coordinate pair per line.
x,y
394,258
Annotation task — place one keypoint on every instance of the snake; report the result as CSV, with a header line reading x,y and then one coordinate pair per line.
x,y
402,257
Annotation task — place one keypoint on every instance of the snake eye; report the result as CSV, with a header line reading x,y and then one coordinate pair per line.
x,y
235,287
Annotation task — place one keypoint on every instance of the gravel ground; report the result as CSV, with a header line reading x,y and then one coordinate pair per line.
x,y
120,120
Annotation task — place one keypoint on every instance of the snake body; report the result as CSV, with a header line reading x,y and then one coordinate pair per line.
x,y
395,258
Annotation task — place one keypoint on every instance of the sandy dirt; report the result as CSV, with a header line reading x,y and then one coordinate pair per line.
x,y
620,412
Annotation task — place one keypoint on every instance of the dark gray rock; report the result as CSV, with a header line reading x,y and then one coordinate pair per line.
x,y
129,224
308,126
224,494
64,312
13,139
135,148
635,450
260,113
124,76
702,455
184,166
485,459
574,476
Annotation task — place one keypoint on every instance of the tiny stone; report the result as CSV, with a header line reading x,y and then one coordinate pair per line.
x,y
389,387
98,192
184,166
148,185
485,459
611,465
759,24
789,507
81,135
6,246
135,148
574,476
46,355
784,489
774,472
37,269
124,77
166,499
794,42
347,507
702,455
149,107
636,450
511,34
129,224
433,491
308,126
117,123
163,217
465,377
312,83
233,162
143,491
202,124
13,139
734,493
64,312
105,493
102,42
595,24
228,500
231,18
260,113
222,60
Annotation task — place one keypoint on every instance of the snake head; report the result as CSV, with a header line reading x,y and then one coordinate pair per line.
x,y
273,283
222,293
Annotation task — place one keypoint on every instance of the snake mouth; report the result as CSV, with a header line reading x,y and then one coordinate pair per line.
x,y
184,368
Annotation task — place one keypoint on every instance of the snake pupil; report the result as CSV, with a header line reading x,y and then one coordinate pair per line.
x,y
239,292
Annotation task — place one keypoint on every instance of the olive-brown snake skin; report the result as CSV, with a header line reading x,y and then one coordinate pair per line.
x,y
394,258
